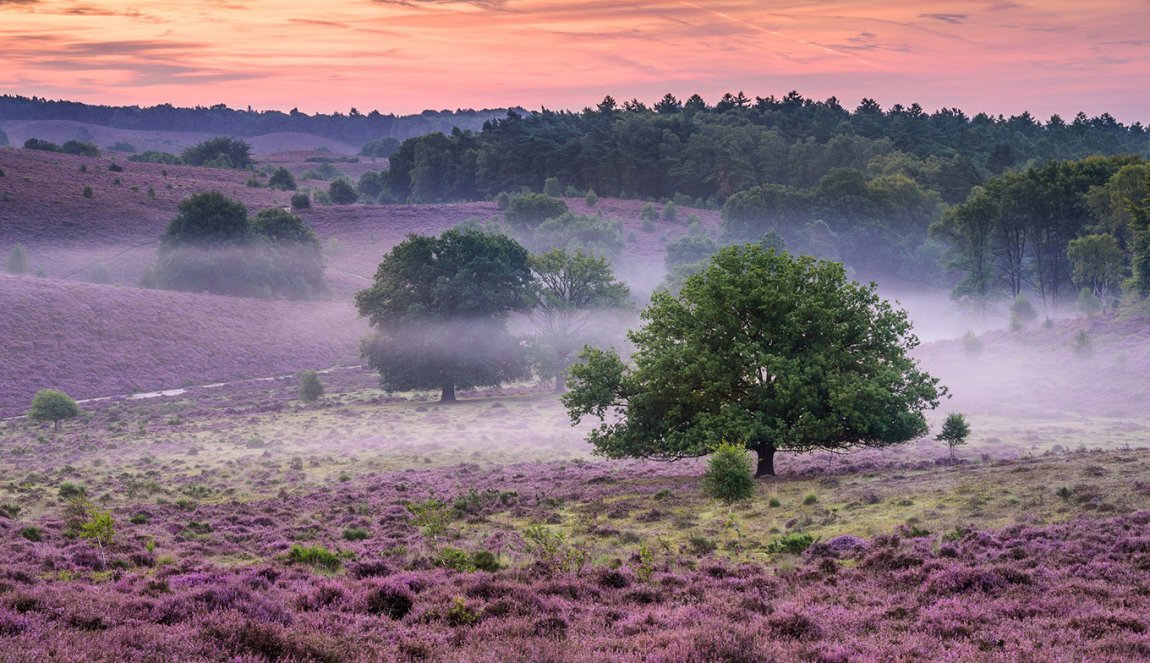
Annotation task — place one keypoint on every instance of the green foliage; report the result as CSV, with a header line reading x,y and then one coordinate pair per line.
x,y
1098,264
572,287
465,562
317,556
121,146
527,211
219,152
1088,303
205,219
591,199
53,405
355,534
300,201
1022,313
551,187
382,148
784,353
100,528
115,168
1083,344
730,474
648,213
80,148
17,262
87,192
156,157
460,614
572,232
341,192
41,145
791,544
690,249
439,306
68,490
954,431
502,201
310,388
431,516
553,551
282,179
32,533
370,185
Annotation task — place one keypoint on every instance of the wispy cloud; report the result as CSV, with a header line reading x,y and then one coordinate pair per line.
x,y
953,19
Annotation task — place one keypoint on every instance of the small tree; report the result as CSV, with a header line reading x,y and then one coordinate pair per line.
x,y
729,475
52,405
17,260
219,152
954,431
341,192
310,388
282,179
1022,313
100,529
300,201
526,212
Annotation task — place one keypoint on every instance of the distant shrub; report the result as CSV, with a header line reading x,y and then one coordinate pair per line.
x,y
151,192
971,343
324,172
572,232
551,187
87,192
52,405
1083,343
792,544
341,192
282,179
553,551
310,388
17,262
1087,303
391,601
527,211
591,198
649,213
810,499
484,560
80,148
502,200
954,431
300,201
32,533
1022,313
690,249
100,274
701,545
41,145
431,516
120,146
355,534
382,148
156,157
115,168
730,474
670,213
254,182
316,556
370,185
219,152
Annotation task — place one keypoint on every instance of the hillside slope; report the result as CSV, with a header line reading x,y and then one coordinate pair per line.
x,y
95,340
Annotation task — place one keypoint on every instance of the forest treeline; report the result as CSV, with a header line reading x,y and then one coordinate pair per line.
x,y
352,127
707,152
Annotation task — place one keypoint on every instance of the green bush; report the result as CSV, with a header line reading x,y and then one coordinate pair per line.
x,y
282,179
954,431
87,193
649,213
730,474
32,533
341,192
551,187
300,201
527,211
792,544
310,388
1022,313
219,152
316,556
156,157
591,198
355,534
80,148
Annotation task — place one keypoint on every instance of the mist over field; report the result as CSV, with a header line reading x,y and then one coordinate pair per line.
x,y
509,386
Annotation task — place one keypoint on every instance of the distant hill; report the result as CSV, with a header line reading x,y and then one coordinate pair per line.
x,y
352,129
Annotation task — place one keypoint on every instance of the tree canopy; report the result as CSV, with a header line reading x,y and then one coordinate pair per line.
x,y
53,405
775,352
439,306
219,152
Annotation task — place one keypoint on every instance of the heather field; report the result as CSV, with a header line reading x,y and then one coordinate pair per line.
x,y
370,526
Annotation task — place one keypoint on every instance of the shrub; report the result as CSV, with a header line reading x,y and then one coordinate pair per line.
x,y
572,232
793,544
1083,343
382,148
121,146
156,157
17,260
32,533
80,148
282,179
460,614
1022,313
300,201
370,185
971,343
115,168
310,388
670,213
393,602
649,213
316,556
87,192
52,405
730,474
341,192
219,152
355,534
551,187
591,198
68,490
41,145
527,211
502,200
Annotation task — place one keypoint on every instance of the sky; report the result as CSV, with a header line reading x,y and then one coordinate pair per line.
x,y
404,56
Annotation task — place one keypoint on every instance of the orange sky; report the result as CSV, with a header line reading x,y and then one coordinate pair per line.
x,y
403,56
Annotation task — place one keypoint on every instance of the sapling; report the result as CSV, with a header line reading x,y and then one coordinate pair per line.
x,y
954,431
729,476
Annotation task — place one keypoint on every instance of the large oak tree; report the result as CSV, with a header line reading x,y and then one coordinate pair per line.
x,y
763,349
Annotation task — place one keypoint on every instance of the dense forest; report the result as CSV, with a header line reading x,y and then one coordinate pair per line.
x,y
353,127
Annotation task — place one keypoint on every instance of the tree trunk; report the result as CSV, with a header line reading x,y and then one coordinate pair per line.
x,y
560,384
448,393
766,467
